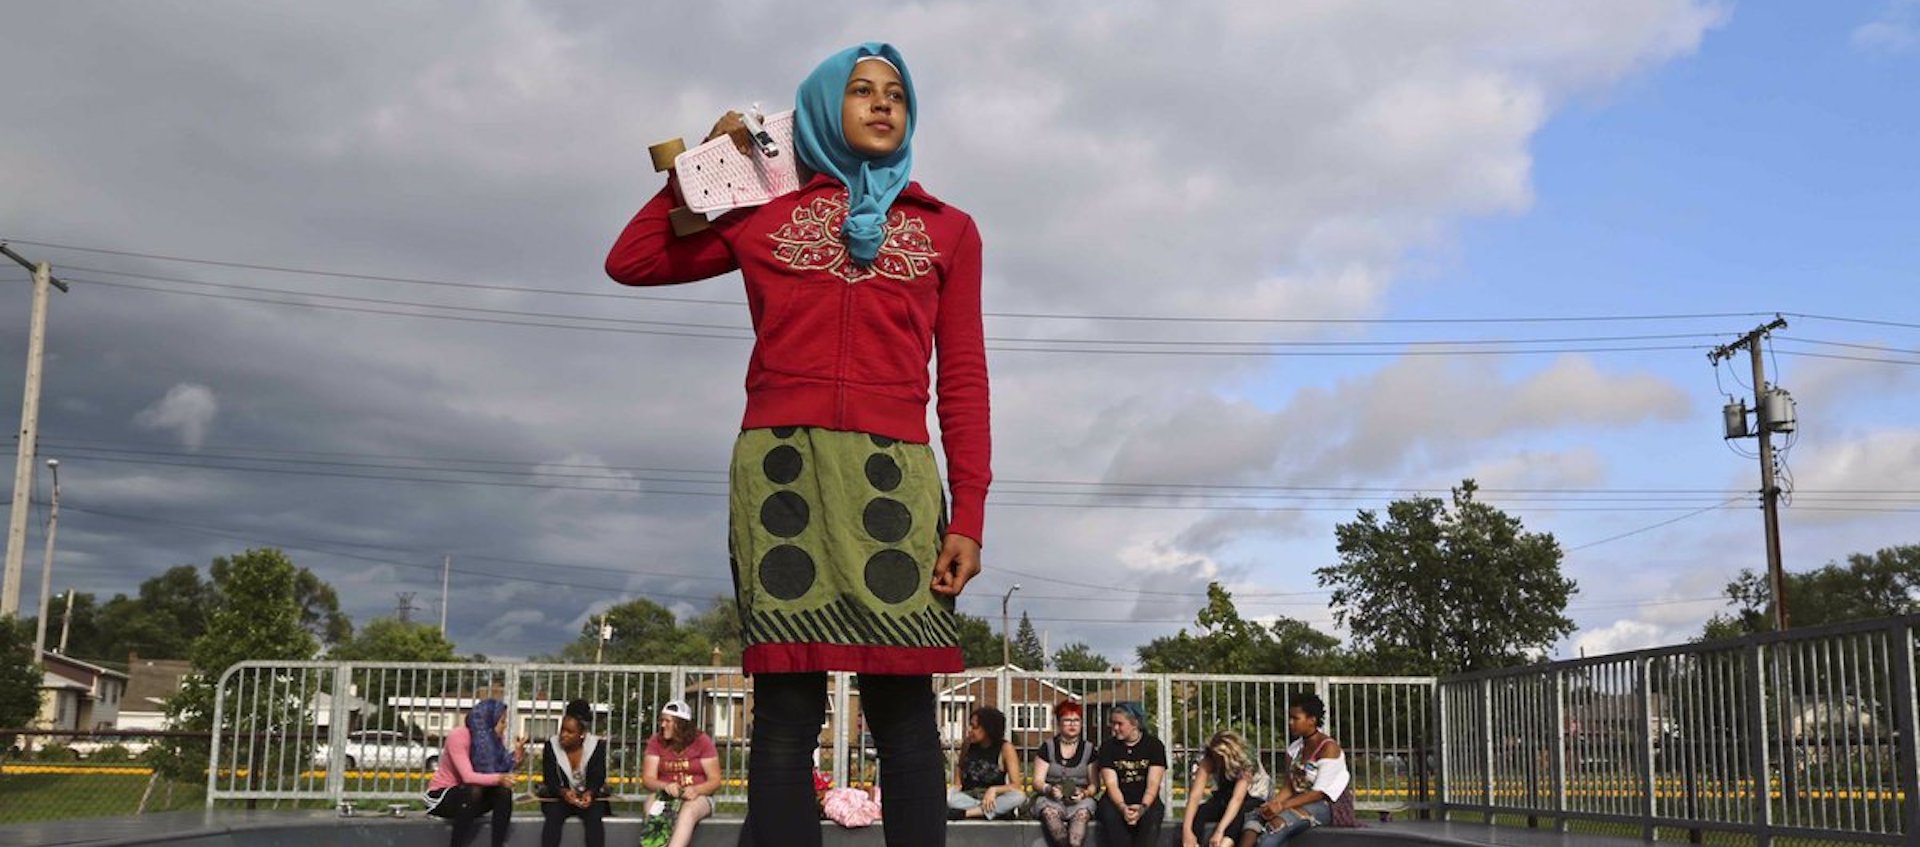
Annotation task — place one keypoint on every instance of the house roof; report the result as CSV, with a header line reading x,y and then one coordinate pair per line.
x,y
79,665
155,679
49,679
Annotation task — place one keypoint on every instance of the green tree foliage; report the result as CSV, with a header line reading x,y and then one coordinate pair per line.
x,y
1027,651
1225,642
1079,656
162,619
644,633
1881,584
720,625
1439,589
394,640
258,615
979,641
160,622
19,676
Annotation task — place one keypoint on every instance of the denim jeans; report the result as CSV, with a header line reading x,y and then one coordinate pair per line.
x,y
1004,802
1320,812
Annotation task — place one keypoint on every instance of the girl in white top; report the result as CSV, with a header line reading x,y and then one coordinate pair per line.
x,y
1316,790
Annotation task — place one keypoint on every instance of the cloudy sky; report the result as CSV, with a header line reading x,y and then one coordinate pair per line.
x,y
1252,266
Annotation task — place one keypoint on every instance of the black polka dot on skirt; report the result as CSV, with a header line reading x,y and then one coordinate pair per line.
x,y
786,572
784,514
881,441
892,575
784,431
883,472
887,519
783,464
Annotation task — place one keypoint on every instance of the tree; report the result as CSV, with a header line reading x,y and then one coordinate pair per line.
x,y
1881,584
258,616
1225,642
19,676
979,643
1435,589
1026,650
720,625
162,620
1079,656
644,633
394,640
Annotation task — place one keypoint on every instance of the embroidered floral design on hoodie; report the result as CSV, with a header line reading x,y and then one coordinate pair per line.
x,y
811,241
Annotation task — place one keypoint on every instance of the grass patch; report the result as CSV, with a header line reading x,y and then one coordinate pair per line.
x,y
84,792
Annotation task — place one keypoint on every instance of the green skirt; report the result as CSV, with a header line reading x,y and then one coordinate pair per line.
x,y
832,539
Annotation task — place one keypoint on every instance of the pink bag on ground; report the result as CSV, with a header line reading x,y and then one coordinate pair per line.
x,y
851,807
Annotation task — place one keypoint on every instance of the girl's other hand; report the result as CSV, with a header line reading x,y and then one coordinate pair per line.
x,y
958,563
733,124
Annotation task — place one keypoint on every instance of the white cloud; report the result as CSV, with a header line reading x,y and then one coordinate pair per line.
x,y
1897,29
187,411
1619,637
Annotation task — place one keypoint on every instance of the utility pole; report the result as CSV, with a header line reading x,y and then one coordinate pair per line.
x,y
29,430
606,632
1765,423
65,620
446,564
46,566
1006,644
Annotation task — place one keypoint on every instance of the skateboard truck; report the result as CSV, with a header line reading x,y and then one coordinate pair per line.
x,y
761,138
685,221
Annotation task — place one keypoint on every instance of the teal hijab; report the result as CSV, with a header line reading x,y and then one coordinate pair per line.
x,y
872,184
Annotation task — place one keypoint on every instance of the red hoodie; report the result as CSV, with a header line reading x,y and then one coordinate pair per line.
x,y
836,345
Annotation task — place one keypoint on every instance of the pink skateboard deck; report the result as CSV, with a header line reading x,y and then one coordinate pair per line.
x,y
714,177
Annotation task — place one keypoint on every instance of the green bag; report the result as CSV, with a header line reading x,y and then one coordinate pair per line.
x,y
658,827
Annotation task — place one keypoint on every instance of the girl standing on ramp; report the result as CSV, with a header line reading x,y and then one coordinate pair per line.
x,y
842,552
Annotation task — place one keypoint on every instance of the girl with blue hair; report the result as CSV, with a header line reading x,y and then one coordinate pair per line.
x,y
843,553
475,775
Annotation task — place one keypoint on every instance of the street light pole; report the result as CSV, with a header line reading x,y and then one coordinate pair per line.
x,y
1006,644
46,566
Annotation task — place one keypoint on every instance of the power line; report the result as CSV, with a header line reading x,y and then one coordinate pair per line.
x,y
1528,319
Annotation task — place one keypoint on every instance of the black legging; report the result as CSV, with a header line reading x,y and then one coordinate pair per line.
x,y
1216,806
464,804
788,709
1113,827
557,812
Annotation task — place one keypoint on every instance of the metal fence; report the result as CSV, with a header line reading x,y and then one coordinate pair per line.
x,y
1805,734
356,731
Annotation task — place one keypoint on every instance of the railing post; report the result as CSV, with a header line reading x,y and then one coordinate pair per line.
x,y
1165,725
1906,724
842,721
1649,742
1486,746
213,750
1557,758
511,680
336,733
1757,744
1443,776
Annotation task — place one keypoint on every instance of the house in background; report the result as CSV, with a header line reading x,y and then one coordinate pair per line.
x,y
78,696
150,683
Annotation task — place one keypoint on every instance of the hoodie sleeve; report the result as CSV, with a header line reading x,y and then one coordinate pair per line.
x,y
648,253
966,433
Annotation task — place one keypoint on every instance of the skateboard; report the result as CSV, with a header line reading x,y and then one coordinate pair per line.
x,y
715,177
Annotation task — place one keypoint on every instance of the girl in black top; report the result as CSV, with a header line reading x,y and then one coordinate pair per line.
x,y
1132,765
988,772
574,775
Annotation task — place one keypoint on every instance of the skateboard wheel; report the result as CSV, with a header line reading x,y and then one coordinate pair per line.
x,y
664,152
686,221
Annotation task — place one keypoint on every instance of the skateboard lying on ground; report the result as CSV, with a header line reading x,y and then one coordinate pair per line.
x,y
716,177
